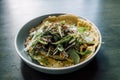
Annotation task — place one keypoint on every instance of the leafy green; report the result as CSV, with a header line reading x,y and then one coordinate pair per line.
x,y
55,38
38,34
43,61
42,42
85,52
64,39
63,22
60,47
73,54
82,29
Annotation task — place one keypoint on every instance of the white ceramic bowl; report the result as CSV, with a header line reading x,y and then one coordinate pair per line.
x,y
19,45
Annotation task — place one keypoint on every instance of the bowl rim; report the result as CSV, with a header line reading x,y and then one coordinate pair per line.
x,y
62,68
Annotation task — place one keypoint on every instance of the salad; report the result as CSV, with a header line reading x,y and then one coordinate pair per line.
x,y
61,41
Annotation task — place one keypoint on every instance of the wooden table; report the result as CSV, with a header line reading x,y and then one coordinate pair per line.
x,y
104,13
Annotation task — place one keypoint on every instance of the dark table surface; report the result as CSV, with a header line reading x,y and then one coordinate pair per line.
x,y
104,13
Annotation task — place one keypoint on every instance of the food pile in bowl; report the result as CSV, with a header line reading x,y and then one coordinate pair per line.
x,y
62,41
